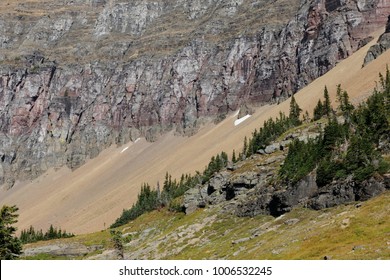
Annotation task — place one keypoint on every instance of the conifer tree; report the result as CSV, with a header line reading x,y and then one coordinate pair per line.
x,y
295,111
245,148
10,246
234,159
327,104
318,111
224,158
345,105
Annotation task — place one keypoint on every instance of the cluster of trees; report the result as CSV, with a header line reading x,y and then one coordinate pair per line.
x,y
31,235
150,199
216,164
323,108
271,130
10,244
348,147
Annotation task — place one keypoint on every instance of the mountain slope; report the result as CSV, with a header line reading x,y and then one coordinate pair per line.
x,y
79,76
354,231
92,196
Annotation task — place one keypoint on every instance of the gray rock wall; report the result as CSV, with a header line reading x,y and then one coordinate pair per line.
x,y
380,47
78,77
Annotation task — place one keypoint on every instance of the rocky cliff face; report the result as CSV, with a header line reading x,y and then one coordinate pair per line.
x,y
380,47
78,76
251,187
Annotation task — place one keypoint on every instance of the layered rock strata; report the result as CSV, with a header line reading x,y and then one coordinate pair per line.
x,y
78,76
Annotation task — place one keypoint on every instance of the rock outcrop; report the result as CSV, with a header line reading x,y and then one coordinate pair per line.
x,y
78,76
61,250
250,193
380,47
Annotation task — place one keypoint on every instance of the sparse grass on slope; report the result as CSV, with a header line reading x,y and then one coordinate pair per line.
x,y
355,231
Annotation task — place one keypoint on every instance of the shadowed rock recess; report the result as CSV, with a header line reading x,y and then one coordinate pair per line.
x,y
78,76
250,193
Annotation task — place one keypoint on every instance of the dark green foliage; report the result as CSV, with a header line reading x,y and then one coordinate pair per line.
x,y
385,87
31,235
327,104
367,125
173,189
224,158
372,118
10,246
327,170
217,163
334,134
244,148
234,159
360,157
318,111
383,167
147,201
345,105
268,133
301,159
323,109
295,112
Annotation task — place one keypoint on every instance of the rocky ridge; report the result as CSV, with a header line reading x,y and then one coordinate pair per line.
x,y
380,47
251,187
79,76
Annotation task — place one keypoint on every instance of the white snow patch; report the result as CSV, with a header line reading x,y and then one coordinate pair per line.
x,y
124,149
136,140
237,122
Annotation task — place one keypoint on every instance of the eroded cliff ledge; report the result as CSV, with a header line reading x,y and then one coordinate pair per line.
x,y
78,76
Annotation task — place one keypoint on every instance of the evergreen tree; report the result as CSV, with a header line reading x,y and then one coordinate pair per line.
x,y
327,104
224,158
251,149
10,246
295,111
30,235
51,234
234,159
318,111
245,147
334,134
218,164
345,105
359,158
301,159
327,170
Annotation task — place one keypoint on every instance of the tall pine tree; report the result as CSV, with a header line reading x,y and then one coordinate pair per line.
x,y
10,246
295,111
327,104
318,111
